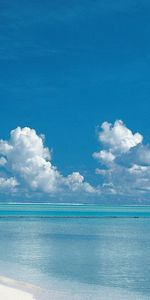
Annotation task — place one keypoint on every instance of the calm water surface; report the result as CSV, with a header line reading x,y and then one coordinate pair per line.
x,y
106,255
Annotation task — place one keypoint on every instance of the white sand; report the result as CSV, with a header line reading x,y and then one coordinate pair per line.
x,y
13,290
9,293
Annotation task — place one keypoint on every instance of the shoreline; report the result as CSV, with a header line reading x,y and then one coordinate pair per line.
x,y
19,290
11,289
14,290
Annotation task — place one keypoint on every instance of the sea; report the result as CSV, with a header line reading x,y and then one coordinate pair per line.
x,y
83,252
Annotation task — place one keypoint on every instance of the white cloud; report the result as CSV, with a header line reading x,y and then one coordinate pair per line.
x,y
75,181
27,158
118,138
125,158
144,155
136,169
29,162
102,172
3,161
104,156
124,165
8,184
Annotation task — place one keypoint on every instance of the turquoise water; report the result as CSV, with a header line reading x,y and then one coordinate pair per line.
x,y
60,210
85,258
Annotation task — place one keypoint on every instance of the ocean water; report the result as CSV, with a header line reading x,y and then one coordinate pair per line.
x,y
81,252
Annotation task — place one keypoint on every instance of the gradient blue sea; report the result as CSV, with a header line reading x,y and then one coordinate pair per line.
x,y
86,252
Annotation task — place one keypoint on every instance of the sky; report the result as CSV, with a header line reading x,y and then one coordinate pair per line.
x,y
75,101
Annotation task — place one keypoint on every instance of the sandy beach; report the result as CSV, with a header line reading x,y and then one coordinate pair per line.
x,y
11,289
14,290
7,293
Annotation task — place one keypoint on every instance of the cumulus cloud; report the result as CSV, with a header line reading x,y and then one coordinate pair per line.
x,y
104,156
75,182
3,161
8,184
28,159
117,139
29,162
124,160
124,165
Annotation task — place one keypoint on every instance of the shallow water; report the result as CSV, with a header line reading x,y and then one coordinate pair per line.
x,y
83,258
72,210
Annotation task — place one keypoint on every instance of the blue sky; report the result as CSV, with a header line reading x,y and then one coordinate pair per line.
x,y
68,66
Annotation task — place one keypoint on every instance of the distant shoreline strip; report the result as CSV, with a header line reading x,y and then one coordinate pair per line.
x,y
72,217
